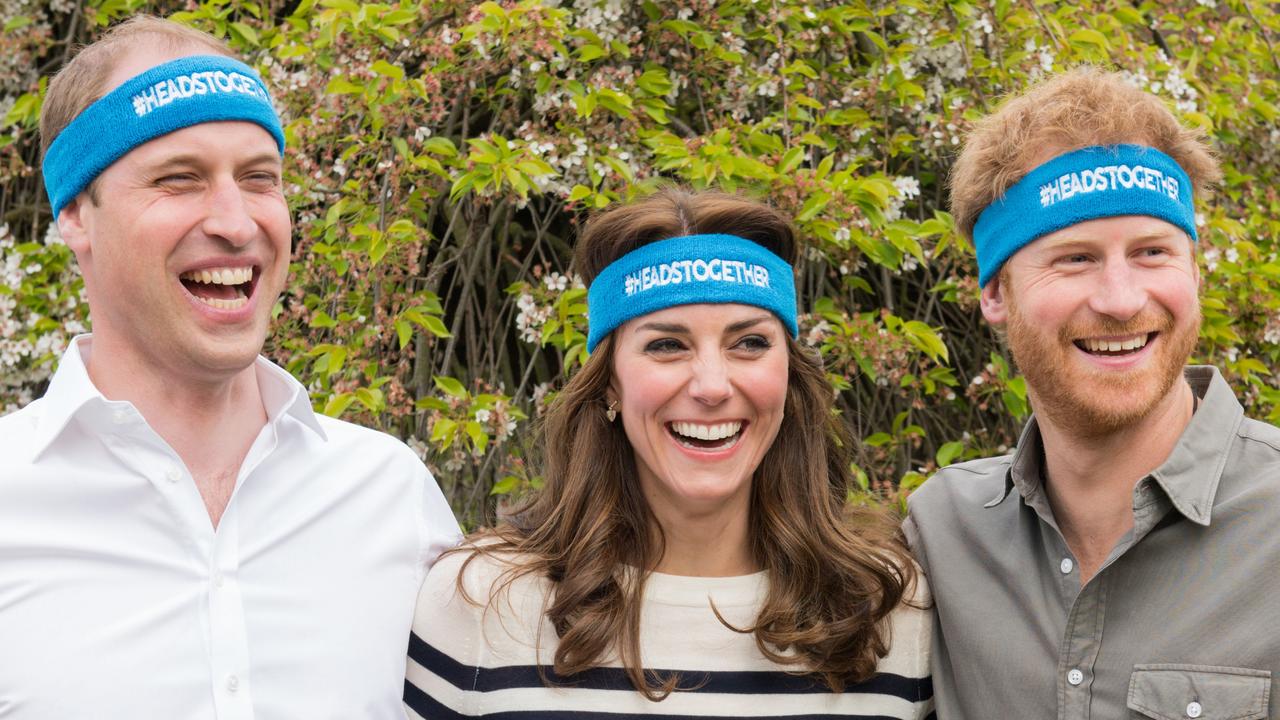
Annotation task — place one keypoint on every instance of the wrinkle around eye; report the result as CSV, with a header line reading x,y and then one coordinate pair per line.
x,y
663,346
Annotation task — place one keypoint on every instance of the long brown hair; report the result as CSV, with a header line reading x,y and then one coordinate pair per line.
x,y
835,572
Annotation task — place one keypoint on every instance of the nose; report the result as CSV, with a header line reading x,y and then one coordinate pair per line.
x,y
1120,293
228,215
710,383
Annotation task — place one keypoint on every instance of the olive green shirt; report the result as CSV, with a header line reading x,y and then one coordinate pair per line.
x,y
1183,619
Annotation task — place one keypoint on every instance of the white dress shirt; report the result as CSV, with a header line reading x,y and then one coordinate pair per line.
x,y
119,600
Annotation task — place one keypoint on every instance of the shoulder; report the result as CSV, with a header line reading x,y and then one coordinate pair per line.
x,y
466,579
17,431
373,445
20,422
959,487
910,629
473,609
1263,434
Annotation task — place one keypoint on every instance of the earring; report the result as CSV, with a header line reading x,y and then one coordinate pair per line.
x,y
612,411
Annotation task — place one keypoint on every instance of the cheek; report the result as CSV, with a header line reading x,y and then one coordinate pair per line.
x,y
766,386
1181,295
272,215
644,387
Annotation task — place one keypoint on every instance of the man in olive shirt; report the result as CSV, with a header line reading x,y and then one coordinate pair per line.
x,y
1124,562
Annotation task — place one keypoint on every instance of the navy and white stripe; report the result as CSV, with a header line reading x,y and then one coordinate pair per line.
x,y
466,661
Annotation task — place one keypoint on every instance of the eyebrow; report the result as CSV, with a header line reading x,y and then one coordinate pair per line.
x,y
679,329
188,159
1154,235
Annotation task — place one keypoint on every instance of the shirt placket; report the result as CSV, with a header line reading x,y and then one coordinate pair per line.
x,y
1082,639
229,633
216,552
1078,654
229,668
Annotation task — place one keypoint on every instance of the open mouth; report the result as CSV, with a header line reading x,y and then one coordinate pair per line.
x,y
697,436
1115,347
224,288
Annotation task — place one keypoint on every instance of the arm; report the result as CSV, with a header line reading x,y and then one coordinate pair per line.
x,y
437,528
445,647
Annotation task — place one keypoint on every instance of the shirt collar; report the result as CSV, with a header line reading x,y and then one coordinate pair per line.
x,y
283,395
1191,473
71,391
1189,476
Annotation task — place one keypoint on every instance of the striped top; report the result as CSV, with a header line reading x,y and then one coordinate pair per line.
x,y
466,661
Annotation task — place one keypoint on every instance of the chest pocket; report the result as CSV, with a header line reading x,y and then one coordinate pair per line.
x,y
1199,692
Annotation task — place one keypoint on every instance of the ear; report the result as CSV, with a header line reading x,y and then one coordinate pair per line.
x,y
72,229
995,307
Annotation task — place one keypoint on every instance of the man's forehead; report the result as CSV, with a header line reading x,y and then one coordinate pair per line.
x,y
147,55
1124,229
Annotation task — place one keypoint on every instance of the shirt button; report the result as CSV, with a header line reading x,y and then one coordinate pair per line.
x,y
173,474
1075,677
1066,566
219,580
120,417
1194,710
233,683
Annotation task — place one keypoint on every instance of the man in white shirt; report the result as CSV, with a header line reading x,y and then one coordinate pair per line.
x,y
181,537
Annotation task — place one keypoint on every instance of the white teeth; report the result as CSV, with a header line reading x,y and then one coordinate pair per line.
x,y
707,432
1133,343
220,276
235,304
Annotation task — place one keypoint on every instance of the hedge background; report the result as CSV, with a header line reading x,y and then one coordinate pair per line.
x,y
442,154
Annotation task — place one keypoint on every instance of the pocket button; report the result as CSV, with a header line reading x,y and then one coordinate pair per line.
x,y
1194,710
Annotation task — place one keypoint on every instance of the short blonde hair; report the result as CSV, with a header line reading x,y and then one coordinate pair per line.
x,y
1075,109
80,82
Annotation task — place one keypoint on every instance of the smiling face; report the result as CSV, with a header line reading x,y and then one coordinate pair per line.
x,y
1101,318
187,247
701,391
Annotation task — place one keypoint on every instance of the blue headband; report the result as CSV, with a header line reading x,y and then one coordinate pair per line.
x,y
687,270
168,97
1087,184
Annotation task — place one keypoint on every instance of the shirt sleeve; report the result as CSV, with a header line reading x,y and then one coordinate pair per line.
x,y
914,541
439,530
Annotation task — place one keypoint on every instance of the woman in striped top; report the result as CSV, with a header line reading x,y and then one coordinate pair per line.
x,y
691,553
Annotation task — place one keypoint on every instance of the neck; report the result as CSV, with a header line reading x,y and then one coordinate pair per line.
x,y
209,423
1089,480
711,544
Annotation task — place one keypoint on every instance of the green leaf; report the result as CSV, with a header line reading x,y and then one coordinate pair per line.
x,y
816,203
338,404
342,86
321,319
590,52
443,432
450,386
386,69
479,438
245,34
654,81
948,453
878,439
372,399
1087,38
440,146
404,332
16,23
504,486
791,160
